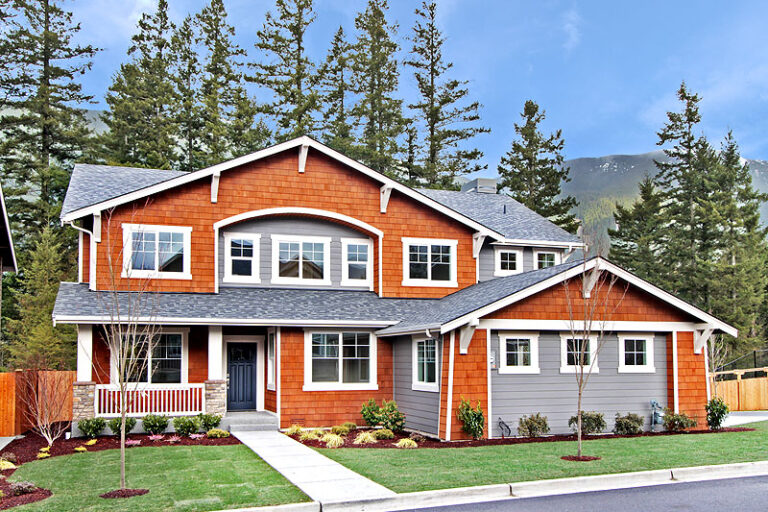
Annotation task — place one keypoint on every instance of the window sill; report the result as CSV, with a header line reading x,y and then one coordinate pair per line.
x,y
637,369
505,273
428,283
240,280
420,386
572,369
530,370
299,281
357,283
141,274
338,386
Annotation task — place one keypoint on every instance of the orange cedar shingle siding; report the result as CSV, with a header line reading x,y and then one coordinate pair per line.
x,y
276,182
691,379
270,396
86,258
198,355
470,380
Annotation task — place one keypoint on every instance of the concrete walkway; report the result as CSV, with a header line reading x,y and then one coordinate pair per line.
x,y
317,476
5,441
744,417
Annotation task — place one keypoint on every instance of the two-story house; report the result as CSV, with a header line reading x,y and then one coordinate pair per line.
x,y
298,281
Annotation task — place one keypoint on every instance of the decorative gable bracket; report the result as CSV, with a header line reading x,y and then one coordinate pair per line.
x,y
303,150
215,177
478,239
701,336
385,191
465,335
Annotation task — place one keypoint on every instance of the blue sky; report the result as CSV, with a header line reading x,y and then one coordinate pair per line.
x,y
605,71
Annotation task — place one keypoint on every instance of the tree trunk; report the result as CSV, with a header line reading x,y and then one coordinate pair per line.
x,y
578,423
122,441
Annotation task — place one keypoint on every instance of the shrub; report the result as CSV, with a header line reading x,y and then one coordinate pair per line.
x,y
370,412
185,425
209,421
293,430
717,410
407,444
6,464
217,433
472,420
90,442
534,425
91,427
384,433
390,416
19,488
81,449
154,424
45,449
333,441
340,430
10,457
114,425
351,426
592,422
309,435
132,442
416,437
173,439
627,425
674,422
43,455
365,438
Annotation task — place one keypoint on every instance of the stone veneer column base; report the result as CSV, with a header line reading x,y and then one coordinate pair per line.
x,y
83,395
216,396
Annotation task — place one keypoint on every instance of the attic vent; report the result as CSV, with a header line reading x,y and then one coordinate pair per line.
x,y
480,185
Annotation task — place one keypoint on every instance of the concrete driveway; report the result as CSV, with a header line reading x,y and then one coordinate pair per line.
x,y
735,419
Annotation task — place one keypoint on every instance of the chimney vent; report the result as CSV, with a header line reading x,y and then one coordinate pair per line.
x,y
480,185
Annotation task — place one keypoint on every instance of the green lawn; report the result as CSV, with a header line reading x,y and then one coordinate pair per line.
x,y
179,478
440,468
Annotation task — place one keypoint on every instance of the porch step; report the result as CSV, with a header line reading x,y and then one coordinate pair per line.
x,y
252,421
252,427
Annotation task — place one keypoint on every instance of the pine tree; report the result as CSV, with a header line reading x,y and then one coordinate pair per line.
x,y
448,122
636,241
42,124
186,77
286,70
142,98
35,342
336,87
378,112
533,170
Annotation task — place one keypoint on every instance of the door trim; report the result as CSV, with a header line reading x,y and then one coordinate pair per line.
x,y
260,355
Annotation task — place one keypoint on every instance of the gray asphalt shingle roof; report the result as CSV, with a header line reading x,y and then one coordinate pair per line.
x,y
91,184
502,214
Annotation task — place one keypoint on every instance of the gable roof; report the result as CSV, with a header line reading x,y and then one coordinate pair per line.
x,y
7,252
505,215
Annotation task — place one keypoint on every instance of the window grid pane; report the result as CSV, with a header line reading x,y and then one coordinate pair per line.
x,y
241,254
289,259
171,251
508,260
356,357
325,357
634,353
143,251
573,352
426,365
518,352
357,261
418,257
546,259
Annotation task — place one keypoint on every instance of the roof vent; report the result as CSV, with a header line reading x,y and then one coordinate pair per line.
x,y
480,185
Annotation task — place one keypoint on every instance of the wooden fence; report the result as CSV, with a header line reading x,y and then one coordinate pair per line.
x,y
14,408
743,393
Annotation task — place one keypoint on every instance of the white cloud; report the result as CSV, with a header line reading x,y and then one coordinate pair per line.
x,y
571,23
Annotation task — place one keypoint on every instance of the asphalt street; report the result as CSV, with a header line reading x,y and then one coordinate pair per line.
x,y
736,494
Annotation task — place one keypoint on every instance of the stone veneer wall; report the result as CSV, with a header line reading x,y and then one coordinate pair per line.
x,y
83,395
215,396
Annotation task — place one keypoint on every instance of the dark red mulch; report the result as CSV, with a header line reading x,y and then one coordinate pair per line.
x,y
435,443
124,493
576,458
8,501
27,447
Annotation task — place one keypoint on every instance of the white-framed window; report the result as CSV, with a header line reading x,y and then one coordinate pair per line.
x,y
357,262
166,363
570,352
271,351
519,352
241,257
156,251
429,262
544,259
301,260
508,261
636,353
424,362
339,360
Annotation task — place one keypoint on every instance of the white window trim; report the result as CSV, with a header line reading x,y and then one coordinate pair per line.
x,y
407,281
649,367
255,268
345,280
506,369
277,279
536,257
564,366
113,376
373,385
497,271
128,272
416,385
271,376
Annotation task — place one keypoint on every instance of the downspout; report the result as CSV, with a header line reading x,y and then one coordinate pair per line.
x,y
91,242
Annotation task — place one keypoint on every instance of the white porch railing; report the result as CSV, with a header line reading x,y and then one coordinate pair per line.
x,y
171,400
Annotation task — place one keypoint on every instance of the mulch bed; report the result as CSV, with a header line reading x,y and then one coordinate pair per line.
x,y
436,443
124,493
576,458
8,501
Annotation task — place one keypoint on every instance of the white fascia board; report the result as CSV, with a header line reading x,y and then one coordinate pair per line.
x,y
73,319
8,228
508,324
300,141
539,243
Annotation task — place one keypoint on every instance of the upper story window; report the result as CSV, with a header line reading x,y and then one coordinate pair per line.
x,y
518,352
300,260
339,360
156,251
578,351
546,259
429,262
636,353
357,262
164,364
424,364
508,261
241,257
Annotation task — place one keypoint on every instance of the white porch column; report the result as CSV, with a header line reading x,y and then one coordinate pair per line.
x,y
84,353
215,353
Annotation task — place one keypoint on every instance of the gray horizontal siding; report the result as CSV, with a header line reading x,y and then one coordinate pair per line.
x,y
554,394
421,408
487,260
290,226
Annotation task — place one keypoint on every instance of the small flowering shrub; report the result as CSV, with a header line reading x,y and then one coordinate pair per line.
x,y
196,436
81,449
19,488
209,421
173,439
6,464
185,426
114,424
91,442
340,430
365,438
217,433
154,424
156,437
132,442
370,412
293,430
333,440
534,425
43,455
407,444
384,433
10,457
91,427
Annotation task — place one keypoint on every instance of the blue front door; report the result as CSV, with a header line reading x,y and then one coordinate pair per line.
x,y
241,370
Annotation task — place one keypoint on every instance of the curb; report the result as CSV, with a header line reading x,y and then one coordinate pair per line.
x,y
533,489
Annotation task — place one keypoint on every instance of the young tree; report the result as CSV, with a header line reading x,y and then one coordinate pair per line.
x,y
141,98
532,171
378,112
449,121
186,77
336,87
286,69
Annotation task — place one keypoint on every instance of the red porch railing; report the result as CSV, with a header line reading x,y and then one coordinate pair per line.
x,y
174,400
